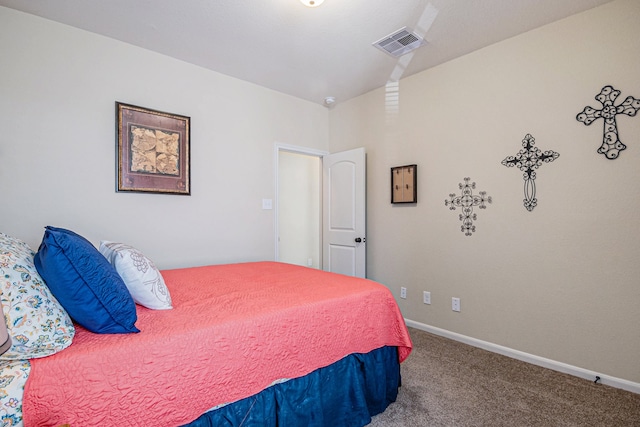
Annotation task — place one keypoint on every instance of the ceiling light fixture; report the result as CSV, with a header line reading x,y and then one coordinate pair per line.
x,y
312,3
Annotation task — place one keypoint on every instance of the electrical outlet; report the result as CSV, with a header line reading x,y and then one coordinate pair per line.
x,y
455,304
403,292
426,297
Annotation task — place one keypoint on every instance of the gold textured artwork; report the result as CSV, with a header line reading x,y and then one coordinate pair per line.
x,y
153,151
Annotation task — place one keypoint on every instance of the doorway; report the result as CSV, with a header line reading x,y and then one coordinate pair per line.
x,y
320,209
299,205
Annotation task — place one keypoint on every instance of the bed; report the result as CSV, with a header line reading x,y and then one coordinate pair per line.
x,y
257,343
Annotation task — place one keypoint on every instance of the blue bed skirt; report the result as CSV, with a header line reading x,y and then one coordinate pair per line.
x,y
346,393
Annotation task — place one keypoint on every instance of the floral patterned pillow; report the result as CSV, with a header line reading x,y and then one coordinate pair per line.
x,y
37,323
13,377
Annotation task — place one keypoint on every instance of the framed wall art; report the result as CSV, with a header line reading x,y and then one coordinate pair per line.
x,y
404,184
153,151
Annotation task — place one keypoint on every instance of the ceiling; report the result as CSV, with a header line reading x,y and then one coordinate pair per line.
x,y
310,53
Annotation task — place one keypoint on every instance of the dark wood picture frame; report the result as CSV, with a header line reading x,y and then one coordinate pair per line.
x,y
404,184
153,149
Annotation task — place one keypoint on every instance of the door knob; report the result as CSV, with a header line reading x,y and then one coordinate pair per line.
x,y
358,240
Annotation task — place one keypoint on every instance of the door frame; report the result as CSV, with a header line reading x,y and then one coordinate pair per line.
x,y
278,147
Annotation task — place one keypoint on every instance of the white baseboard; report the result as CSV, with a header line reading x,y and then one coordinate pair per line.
x,y
530,358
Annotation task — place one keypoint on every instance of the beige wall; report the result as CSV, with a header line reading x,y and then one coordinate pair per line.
x,y
561,282
58,87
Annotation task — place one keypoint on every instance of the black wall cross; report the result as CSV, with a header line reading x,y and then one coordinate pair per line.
x,y
611,144
528,160
466,201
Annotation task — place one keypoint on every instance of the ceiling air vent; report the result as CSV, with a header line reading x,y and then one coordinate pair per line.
x,y
400,42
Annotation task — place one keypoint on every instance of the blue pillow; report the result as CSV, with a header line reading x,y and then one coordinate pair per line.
x,y
84,282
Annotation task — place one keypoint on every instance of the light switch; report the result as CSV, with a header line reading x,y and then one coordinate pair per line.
x,y
267,204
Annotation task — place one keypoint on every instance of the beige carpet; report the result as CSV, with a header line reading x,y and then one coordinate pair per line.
x,y
447,383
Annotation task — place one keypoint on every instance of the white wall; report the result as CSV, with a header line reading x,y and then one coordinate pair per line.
x,y
561,282
58,88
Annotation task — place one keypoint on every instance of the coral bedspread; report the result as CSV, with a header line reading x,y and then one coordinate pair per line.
x,y
234,329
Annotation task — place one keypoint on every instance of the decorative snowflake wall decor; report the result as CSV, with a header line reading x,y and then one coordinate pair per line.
x,y
528,160
466,201
611,144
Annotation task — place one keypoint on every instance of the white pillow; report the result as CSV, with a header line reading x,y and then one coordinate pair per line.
x,y
140,275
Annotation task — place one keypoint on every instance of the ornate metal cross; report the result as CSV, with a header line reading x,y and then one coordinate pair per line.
x,y
466,201
611,144
528,160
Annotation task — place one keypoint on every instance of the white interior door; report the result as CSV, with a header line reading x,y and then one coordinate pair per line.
x,y
344,212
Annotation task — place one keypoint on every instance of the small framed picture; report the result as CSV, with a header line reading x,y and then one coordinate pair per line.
x,y
153,151
404,184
